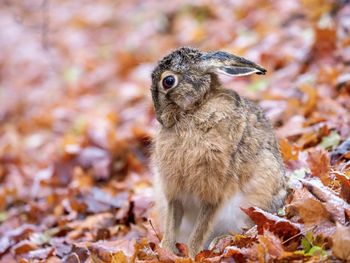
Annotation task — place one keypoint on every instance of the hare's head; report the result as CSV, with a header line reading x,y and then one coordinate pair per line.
x,y
186,75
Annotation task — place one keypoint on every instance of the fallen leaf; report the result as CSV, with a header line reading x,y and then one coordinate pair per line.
x,y
164,255
289,151
330,141
316,8
24,246
336,206
273,246
242,241
77,122
206,255
341,242
311,99
341,150
279,226
308,139
41,254
325,42
182,249
111,250
5,244
311,211
97,159
345,185
318,161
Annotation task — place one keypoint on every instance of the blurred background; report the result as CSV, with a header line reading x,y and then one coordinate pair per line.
x,y
76,117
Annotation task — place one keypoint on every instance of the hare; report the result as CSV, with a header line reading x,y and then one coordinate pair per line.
x,y
214,152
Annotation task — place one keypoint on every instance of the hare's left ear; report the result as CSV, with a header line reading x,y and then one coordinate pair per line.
x,y
226,63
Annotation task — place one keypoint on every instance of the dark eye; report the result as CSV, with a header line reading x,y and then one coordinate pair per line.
x,y
168,82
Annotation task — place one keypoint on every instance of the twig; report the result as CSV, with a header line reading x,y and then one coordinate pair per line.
x,y
301,233
155,232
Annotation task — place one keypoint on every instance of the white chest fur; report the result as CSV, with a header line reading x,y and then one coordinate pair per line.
x,y
230,218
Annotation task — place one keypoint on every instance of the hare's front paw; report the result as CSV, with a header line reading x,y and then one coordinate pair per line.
x,y
168,245
194,248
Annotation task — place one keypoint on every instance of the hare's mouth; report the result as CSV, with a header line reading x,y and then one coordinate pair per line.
x,y
187,102
184,101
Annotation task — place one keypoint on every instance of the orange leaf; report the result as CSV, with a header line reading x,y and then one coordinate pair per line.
x,y
289,151
319,163
279,226
341,242
336,206
273,245
345,185
311,98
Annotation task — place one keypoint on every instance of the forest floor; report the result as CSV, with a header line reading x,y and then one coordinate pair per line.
x,y
76,123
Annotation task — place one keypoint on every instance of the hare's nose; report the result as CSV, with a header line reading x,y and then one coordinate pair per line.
x,y
169,94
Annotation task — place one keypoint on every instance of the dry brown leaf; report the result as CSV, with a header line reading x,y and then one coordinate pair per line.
x,y
308,139
279,226
182,249
342,150
81,252
110,251
319,163
24,246
341,242
119,257
145,251
76,120
306,208
242,241
316,8
273,246
234,252
289,151
325,42
41,254
345,185
164,255
336,206
311,100
311,211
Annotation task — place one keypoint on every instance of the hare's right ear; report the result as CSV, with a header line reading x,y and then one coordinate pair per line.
x,y
226,63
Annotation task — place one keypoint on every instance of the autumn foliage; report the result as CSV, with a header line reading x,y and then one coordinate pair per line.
x,y
76,123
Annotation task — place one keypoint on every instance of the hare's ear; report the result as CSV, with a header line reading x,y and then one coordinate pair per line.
x,y
226,63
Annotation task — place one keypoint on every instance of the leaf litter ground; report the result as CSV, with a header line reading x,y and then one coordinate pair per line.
x,y
76,124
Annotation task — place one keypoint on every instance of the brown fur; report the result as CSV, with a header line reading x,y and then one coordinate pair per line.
x,y
211,144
